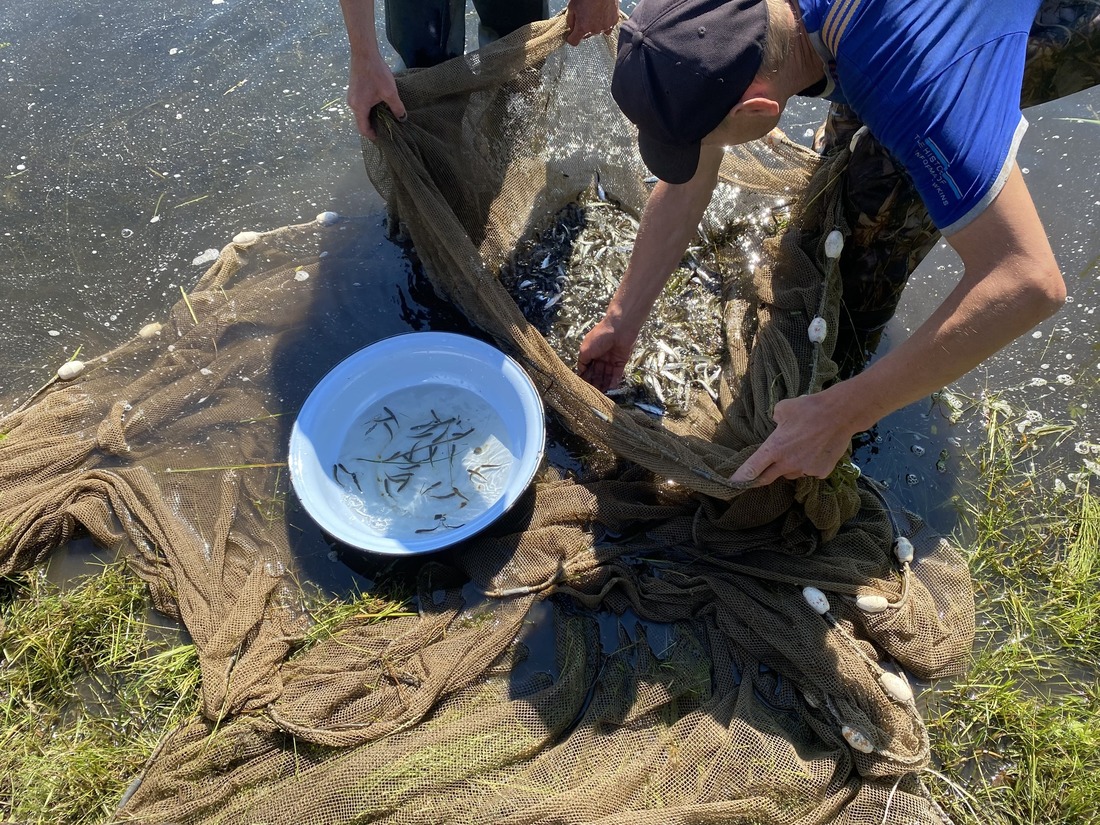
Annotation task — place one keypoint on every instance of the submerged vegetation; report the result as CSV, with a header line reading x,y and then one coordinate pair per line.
x,y
87,688
1017,740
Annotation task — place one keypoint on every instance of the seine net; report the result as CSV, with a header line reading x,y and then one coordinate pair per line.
x,y
690,678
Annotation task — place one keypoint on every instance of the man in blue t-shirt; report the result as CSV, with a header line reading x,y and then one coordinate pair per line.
x,y
938,84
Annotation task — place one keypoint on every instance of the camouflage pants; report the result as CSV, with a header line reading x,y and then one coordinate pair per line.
x,y
891,230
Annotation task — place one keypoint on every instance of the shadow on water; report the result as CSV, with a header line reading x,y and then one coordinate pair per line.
x,y
369,294
374,288
915,455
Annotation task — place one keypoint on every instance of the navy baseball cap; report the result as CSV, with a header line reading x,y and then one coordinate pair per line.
x,y
682,65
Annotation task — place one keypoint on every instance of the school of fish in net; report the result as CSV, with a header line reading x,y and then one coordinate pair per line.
x,y
563,278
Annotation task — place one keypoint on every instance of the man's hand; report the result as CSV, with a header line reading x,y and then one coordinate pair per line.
x,y
603,356
371,82
811,435
585,17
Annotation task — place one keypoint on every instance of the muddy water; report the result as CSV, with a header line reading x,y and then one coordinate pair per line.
x,y
138,137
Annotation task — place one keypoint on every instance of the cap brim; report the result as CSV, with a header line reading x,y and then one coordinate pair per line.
x,y
671,163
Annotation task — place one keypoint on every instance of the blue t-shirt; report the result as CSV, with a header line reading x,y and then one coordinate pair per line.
x,y
938,83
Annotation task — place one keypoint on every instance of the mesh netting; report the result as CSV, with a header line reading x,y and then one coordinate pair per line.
x,y
750,707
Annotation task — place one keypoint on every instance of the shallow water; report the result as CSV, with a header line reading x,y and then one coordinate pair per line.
x,y
138,137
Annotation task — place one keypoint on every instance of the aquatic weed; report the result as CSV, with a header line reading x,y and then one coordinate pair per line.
x,y
87,687
1017,740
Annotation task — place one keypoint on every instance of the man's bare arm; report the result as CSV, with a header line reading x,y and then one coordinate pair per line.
x,y
1010,283
669,221
370,80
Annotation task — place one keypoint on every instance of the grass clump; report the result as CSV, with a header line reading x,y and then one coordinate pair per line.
x,y
1018,739
329,617
87,688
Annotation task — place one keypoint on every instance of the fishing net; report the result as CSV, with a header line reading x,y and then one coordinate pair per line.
x,y
689,679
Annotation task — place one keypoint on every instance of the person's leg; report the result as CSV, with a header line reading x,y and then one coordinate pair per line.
x,y
426,32
891,231
501,17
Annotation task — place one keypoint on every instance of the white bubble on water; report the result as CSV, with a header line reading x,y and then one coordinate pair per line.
x,y
155,219
1037,334
127,233
53,333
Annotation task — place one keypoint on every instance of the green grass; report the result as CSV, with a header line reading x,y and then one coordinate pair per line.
x,y
86,690
1018,739
88,687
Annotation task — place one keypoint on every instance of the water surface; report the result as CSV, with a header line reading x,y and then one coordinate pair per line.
x,y
139,137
